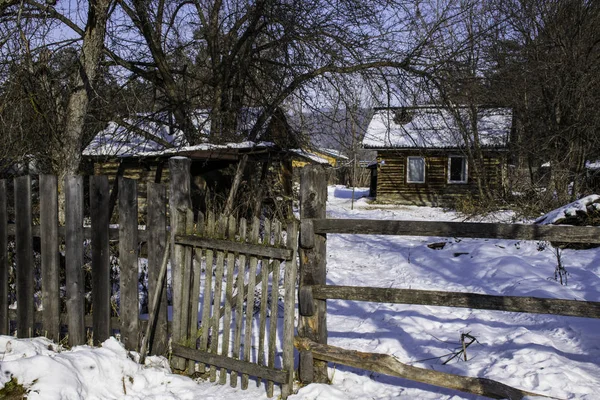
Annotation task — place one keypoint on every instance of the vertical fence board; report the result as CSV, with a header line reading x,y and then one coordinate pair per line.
x,y
157,243
264,297
239,305
100,218
4,329
216,317
50,255
188,326
289,309
313,197
207,296
24,252
273,317
179,202
74,259
250,300
231,228
128,261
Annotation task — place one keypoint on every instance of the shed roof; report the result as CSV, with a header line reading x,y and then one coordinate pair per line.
x,y
435,128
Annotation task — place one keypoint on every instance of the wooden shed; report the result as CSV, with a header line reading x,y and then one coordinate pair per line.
x,y
425,155
142,151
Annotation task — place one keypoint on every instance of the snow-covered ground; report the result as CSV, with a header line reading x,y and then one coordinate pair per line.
x,y
550,355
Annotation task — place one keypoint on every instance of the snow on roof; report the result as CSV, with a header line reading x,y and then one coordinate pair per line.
x,y
207,147
310,156
434,127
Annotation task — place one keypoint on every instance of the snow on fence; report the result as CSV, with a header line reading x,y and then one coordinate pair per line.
x,y
229,271
314,291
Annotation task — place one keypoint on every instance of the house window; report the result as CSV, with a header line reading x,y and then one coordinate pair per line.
x,y
415,171
457,169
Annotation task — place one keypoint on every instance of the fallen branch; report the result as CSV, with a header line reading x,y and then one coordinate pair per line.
x,y
388,365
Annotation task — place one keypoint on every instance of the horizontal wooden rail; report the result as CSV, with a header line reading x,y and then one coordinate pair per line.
x,y
388,365
235,247
113,233
535,305
279,376
558,233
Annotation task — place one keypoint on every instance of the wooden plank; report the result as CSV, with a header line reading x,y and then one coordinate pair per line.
x,y
231,228
230,363
289,307
100,219
189,322
24,255
388,365
238,300
250,300
217,297
207,295
536,305
128,261
313,196
564,233
74,259
4,329
273,311
179,202
50,255
157,242
264,298
235,247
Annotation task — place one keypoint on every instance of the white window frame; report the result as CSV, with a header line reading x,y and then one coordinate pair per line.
x,y
408,169
466,171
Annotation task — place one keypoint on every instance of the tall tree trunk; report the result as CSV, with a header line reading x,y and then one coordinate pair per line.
x,y
69,160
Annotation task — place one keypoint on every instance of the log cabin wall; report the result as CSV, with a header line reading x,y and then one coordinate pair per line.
x,y
392,185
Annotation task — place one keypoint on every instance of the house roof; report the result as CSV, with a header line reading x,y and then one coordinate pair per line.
x,y
435,128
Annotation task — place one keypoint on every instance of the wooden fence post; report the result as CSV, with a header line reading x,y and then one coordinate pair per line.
x,y
24,252
50,255
313,197
3,261
100,218
180,206
74,259
129,309
157,242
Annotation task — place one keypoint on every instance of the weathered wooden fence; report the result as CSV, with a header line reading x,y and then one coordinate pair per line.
x,y
225,277
232,273
314,292
51,297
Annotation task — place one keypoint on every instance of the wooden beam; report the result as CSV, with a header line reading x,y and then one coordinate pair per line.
x,y
388,365
235,247
113,233
536,305
279,376
558,233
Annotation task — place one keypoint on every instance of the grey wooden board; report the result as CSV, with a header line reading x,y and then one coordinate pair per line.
x,y
4,330
235,247
557,233
535,305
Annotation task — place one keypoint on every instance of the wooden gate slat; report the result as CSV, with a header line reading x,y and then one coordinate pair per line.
x,y
273,317
4,329
50,256
239,303
250,300
231,228
128,259
157,242
99,208
264,273
289,306
216,318
74,259
207,295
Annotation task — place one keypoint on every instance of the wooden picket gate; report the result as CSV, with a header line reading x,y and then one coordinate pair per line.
x,y
229,274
